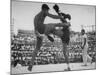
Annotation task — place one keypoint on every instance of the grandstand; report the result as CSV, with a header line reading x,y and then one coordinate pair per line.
x,y
23,45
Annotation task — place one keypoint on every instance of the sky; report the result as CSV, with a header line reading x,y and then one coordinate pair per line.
x,y
23,13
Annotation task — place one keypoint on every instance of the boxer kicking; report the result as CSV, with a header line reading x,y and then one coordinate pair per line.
x,y
47,29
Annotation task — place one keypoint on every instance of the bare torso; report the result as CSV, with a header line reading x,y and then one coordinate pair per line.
x,y
39,21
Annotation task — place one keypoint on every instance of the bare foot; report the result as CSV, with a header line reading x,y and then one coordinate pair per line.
x,y
68,69
30,68
85,65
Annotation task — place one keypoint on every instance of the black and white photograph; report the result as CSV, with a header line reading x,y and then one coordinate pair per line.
x,y
52,37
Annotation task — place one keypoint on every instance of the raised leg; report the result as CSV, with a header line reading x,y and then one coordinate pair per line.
x,y
63,24
34,54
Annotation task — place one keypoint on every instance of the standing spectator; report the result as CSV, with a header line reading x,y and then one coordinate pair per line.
x,y
84,47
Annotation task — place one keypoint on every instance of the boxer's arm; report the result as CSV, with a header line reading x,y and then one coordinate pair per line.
x,y
53,16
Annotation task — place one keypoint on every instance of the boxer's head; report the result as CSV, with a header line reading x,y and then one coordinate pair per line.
x,y
45,7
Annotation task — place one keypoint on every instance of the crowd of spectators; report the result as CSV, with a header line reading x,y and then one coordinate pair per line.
x,y
23,45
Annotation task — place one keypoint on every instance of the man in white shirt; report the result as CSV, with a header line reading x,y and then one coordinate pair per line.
x,y
84,47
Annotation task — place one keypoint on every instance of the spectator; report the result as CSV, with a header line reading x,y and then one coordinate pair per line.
x,y
84,47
